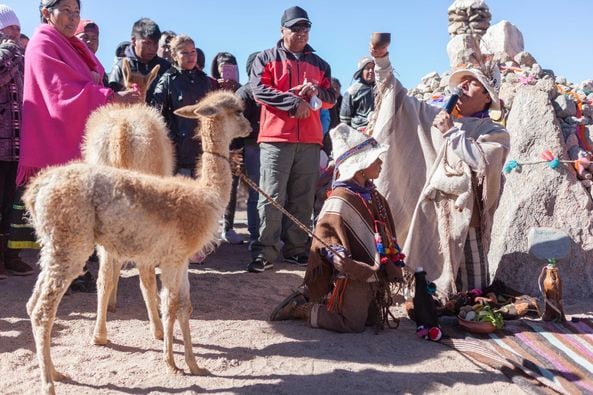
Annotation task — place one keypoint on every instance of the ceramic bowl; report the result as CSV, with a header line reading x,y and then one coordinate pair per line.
x,y
476,326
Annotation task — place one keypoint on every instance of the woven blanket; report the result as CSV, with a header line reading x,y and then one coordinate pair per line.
x,y
558,356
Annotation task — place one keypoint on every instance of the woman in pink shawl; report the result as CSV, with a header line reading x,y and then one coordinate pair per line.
x,y
62,86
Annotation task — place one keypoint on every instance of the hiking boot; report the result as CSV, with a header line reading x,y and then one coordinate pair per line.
x,y
259,265
85,283
300,260
14,265
285,309
232,237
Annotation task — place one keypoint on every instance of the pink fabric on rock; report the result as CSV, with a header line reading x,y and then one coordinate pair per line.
x,y
59,95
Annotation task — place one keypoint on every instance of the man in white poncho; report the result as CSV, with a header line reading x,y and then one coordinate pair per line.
x,y
442,173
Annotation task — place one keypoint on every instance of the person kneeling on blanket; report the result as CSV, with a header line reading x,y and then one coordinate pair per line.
x,y
347,287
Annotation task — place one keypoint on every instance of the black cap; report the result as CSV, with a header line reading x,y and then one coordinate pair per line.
x,y
294,15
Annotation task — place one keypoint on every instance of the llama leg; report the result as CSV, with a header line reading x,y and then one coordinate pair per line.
x,y
150,295
183,316
105,279
112,306
170,279
42,306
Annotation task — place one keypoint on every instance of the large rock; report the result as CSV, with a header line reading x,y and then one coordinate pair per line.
x,y
463,48
503,40
540,196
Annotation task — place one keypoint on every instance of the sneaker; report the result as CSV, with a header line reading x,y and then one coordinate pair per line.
x,y
232,237
259,265
85,283
300,260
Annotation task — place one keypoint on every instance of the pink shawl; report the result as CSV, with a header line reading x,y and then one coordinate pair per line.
x,y
59,95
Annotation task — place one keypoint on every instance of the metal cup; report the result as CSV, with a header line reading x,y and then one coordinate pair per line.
x,y
380,40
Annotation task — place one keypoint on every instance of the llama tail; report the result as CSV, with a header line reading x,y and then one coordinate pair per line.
x,y
120,153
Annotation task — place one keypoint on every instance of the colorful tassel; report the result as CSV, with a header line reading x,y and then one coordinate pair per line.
x,y
511,165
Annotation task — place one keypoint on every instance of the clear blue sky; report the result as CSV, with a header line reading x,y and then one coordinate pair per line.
x,y
555,32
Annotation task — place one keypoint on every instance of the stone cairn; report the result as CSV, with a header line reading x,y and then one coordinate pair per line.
x,y
469,23
469,17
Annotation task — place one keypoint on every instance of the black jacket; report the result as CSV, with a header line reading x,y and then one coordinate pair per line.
x,y
176,89
116,77
357,104
252,109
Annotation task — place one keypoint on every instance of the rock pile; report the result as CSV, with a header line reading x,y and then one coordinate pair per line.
x,y
469,17
544,112
468,22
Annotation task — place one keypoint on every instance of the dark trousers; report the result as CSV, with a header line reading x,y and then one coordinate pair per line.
x,y
7,193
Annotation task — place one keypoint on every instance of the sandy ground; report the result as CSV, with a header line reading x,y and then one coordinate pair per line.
x,y
232,338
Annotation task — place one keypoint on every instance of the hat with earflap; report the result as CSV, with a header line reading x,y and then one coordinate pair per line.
x,y
353,151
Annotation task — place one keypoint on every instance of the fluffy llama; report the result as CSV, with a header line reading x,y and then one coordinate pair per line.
x,y
130,136
133,137
148,219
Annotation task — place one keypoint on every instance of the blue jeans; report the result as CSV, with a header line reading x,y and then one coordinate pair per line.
x,y
251,160
288,173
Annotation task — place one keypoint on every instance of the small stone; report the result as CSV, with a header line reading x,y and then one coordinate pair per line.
x,y
525,59
546,243
536,70
561,80
572,141
564,106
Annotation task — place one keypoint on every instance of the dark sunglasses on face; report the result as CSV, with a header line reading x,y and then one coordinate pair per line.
x,y
300,28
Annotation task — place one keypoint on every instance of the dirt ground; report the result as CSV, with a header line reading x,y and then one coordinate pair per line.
x,y
232,339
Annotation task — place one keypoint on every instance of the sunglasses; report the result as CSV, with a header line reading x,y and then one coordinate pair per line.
x,y
299,28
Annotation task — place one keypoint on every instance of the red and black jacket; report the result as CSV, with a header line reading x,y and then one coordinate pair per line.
x,y
274,72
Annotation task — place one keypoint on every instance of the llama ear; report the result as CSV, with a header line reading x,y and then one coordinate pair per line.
x,y
207,111
190,111
152,75
126,71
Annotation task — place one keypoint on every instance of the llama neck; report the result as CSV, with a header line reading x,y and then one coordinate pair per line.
x,y
215,171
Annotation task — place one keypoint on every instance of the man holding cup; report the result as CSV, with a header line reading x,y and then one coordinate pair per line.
x,y
442,173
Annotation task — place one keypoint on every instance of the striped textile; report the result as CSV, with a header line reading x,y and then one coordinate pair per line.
x,y
558,355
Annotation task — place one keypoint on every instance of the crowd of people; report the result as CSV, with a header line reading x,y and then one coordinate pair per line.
x,y
382,158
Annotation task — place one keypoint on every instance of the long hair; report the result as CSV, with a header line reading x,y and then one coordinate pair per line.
x,y
220,58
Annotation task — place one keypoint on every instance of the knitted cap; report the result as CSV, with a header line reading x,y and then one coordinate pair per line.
x,y
8,17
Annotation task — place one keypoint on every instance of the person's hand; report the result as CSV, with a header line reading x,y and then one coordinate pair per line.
x,y
443,121
378,52
308,90
131,96
228,85
302,110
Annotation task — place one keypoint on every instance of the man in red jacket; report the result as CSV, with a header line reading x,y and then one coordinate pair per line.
x,y
292,84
